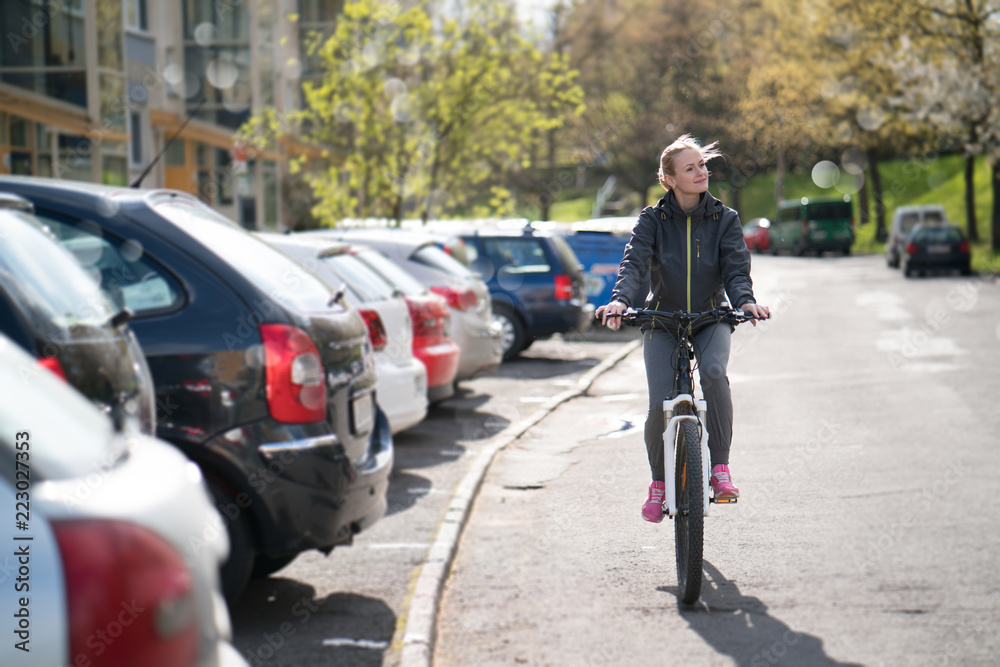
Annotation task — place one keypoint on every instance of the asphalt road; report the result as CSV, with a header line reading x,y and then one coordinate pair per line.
x,y
351,607
865,448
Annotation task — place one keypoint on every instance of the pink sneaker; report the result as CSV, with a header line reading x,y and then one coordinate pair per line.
x,y
722,483
652,509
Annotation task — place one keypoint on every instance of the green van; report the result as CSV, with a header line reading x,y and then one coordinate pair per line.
x,y
813,225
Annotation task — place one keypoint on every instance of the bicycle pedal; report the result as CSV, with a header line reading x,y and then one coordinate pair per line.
x,y
722,501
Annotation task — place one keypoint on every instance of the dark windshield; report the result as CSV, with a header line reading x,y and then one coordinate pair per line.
x,y
938,235
829,211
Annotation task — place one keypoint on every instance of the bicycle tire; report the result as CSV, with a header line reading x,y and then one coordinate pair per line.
x,y
689,524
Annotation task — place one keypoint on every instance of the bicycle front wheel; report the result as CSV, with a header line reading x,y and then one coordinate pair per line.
x,y
689,524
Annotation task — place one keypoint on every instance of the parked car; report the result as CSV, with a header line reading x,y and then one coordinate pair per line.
x,y
756,234
936,247
600,254
54,310
121,543
536,284
904,219
262,378
402,378
430,318
467,297
812,225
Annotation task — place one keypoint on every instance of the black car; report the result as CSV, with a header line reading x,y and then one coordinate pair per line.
x,y
936,247
536,284
53,309
263,377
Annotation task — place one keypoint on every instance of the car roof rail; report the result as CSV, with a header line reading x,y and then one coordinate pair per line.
x,y
9,200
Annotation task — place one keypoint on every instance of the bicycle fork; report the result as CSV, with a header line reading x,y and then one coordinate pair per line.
x,y
672,422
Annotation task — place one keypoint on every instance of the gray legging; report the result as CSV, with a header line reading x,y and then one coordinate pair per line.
x,y
711,347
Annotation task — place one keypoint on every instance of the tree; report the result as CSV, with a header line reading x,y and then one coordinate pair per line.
x,y
651,71
418,112
947,61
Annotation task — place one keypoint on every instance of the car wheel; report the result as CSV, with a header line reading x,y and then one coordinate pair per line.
x,y
235,572
512,336
266,565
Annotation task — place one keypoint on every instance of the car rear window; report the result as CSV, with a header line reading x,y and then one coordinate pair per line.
x,y
570,261
363,281
46,281
433,256
397,277
829,211
517,255
279,276
938,235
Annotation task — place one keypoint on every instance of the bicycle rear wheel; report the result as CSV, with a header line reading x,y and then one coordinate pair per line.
x,y
689,524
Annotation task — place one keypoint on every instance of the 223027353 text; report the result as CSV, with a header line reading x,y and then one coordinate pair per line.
x,y
22,542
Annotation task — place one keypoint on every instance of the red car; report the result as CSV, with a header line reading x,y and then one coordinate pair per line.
x,y
756,234
430,316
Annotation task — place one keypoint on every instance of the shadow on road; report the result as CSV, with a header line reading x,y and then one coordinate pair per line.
x,y
739,626
405,490
281,622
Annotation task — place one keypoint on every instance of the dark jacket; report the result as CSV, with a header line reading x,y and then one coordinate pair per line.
x,y
691,262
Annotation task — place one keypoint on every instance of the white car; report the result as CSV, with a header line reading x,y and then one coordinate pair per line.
x,y
112,545
420,254
402,378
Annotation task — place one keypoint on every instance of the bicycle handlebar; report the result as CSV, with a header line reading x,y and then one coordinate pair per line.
x,y
639,316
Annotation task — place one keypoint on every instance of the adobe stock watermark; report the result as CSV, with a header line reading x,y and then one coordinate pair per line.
x,y
33,25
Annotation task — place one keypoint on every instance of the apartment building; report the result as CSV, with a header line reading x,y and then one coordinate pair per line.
x,y
92,90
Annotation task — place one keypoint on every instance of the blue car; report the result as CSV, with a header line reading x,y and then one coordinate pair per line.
x,y
536,284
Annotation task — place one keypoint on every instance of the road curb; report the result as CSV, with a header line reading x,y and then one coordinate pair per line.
x,y
420,630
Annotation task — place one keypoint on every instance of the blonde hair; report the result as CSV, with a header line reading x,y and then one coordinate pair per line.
x,y
682,143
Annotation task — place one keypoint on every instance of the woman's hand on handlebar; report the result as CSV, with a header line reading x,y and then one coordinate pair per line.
x,y
613,308
758,311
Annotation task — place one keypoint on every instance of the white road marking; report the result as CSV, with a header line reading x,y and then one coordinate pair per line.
x,y
399,545
356,643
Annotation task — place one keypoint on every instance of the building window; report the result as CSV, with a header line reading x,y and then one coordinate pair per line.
x,y
136,17
136,147
52,61
217,54
114,163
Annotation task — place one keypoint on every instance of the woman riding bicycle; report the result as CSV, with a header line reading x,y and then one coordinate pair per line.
x,y
690,248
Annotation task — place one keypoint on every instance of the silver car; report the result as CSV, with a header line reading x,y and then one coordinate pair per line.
x,y
113,548
402,379
472,326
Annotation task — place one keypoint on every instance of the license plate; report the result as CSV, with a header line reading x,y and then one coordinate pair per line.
x,y
819,235
362,413
938,249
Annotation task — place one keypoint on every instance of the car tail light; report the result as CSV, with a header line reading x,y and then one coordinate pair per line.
x,y
564,287
376,330
459,299
963,247
911,248
52,364
129,595
293,370
428,316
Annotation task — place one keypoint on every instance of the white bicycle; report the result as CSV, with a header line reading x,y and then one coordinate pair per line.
x,y
688,493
